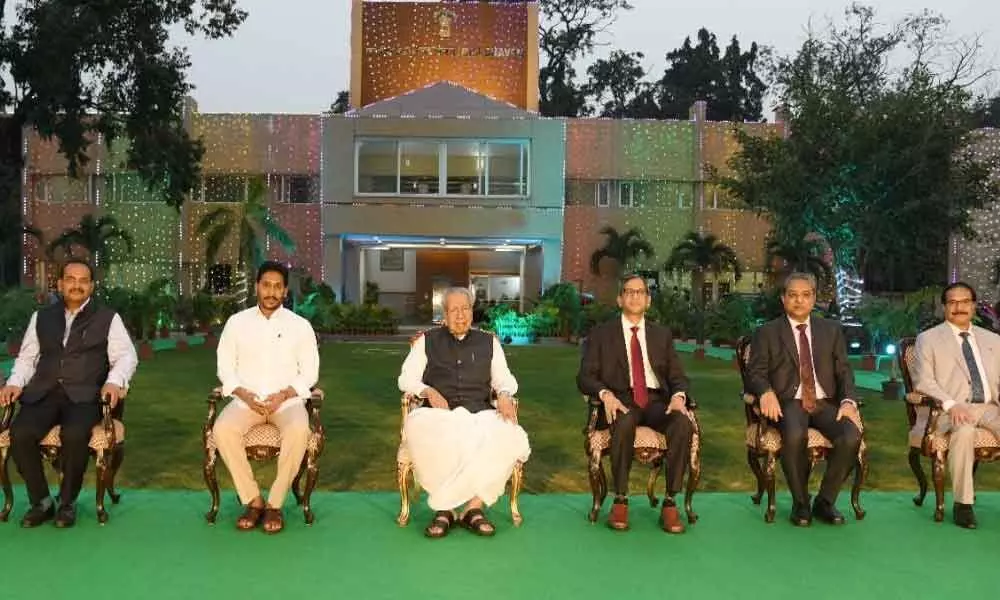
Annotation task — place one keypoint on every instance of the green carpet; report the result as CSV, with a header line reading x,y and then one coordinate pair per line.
x,y
158,546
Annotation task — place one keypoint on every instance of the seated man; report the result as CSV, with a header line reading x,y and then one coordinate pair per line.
x,y
651,391
959,364
463,450
74,353
799,370
268,360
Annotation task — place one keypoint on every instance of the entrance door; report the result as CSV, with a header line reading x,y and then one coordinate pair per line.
x,y
438,287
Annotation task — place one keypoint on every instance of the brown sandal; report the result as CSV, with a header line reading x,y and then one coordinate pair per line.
x,y
273,521
250,518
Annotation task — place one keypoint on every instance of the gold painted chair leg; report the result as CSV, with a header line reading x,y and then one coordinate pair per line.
x,y
517,480
403,471
654,472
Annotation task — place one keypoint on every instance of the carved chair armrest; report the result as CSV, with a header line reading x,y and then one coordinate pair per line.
x,y
918,399
8,416
313,406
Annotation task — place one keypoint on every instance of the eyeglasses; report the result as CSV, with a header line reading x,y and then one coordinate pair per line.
x,y
957,303
633,293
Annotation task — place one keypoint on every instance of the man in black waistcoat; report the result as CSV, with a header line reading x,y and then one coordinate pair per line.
x,y
74,352
630,365
463,449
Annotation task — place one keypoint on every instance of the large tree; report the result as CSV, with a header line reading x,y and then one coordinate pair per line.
x,y
568,31
83,68
879,161
618,88
728,82
342,104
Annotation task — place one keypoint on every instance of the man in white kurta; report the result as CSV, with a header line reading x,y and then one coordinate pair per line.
x,y
268,361
463,448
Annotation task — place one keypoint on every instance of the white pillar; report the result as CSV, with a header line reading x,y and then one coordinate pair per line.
x,y
520,287
361,275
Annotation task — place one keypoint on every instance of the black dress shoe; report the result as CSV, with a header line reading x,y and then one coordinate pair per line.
x,y
964,515
38,515
826,512
66,516
800,516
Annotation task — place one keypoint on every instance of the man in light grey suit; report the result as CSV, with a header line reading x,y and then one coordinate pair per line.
x,y
959,364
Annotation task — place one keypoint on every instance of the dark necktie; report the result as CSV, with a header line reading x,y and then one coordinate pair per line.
x,y
639,392
806,375
978,393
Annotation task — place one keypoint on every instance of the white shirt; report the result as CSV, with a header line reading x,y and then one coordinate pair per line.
x,y
820,392
121,351
987,391
266,355
651,380
411,379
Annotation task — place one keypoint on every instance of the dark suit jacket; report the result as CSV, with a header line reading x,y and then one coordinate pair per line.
x,y
605,361
774,360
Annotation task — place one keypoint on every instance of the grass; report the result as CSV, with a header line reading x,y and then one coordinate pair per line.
x,y
166,411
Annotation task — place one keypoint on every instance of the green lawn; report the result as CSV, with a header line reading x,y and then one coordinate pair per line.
x,y
166,410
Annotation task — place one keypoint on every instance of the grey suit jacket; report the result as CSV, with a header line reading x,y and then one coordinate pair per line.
x,y
940,370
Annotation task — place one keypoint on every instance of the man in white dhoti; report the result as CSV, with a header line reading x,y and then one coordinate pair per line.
x,y
268,362
463,449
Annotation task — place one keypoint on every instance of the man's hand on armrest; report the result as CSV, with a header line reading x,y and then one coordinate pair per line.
x,y
9,394
506,407
434,398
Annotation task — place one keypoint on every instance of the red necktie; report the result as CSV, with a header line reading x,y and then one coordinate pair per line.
x,y
639,392
806,371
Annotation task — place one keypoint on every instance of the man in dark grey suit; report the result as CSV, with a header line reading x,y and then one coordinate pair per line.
x,y
799,370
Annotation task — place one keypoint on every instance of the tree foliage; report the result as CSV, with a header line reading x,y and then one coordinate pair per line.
x,y
83,68
881,162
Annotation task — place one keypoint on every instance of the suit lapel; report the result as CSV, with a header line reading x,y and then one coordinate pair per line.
x,y
619,347
989,352
948,341
788,339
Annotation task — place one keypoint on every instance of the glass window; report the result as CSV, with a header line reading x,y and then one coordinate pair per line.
x,y
377,163
506,170
603,193
225,188
419,168
298,189
626,194
466,168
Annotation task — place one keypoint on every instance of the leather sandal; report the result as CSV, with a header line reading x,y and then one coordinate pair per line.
x,y
475,521
273,521
440,524
250,518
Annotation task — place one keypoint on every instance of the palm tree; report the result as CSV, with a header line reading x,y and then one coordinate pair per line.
x,y
803,256
621,248
252,223
700,254
99,237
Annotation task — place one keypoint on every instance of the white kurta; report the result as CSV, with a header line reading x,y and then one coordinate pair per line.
x,y
458,455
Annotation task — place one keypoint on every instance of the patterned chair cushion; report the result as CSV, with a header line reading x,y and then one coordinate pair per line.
x,y
644,438
939,442
772,439
266,435
98,440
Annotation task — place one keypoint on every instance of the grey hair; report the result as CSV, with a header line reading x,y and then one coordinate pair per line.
x,y
798,276
457,290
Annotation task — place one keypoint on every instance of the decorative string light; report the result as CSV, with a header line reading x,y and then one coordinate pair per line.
x,y
478,45
975,262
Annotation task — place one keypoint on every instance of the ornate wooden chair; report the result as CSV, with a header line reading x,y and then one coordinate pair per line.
x,y
763,442
263,442
650,449
922,413
404,470
107,445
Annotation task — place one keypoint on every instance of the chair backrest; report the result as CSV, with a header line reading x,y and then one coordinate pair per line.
x,y
907,359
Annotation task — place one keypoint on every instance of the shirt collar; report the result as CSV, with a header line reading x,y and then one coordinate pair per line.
x,y
78,311
958,332
795,324
277,314
627,325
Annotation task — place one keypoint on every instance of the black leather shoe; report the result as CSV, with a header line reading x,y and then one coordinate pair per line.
x,y
964,515
826,512
66,516
38,515
800,516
